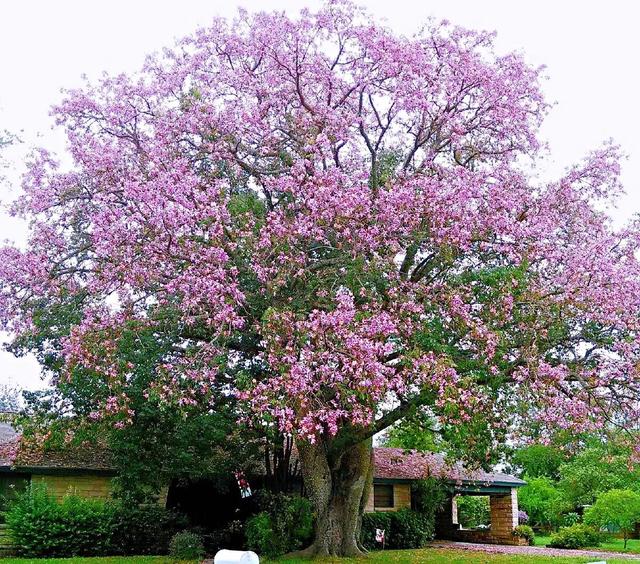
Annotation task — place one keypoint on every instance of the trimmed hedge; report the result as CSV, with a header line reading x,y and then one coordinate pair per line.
x,y
39,525
403,529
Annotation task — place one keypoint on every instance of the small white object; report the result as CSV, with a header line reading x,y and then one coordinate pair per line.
x,y
236,557
598,562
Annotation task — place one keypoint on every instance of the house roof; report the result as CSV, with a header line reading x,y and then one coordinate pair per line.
x,y
21,455
389,463
401,464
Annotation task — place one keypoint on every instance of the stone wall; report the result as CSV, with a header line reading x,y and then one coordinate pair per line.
x,y
504,518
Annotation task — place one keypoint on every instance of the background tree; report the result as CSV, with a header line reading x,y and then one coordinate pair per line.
x,y
415,432
599,467
538,460
542,501
9,399
328,226
617,509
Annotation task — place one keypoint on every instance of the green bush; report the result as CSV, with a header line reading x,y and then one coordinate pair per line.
x,y
145,529
403,529
186,545
575,536
40,525
429,496
570,518
284,524
524,532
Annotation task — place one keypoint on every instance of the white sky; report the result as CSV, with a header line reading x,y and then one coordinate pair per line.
x,y
590,48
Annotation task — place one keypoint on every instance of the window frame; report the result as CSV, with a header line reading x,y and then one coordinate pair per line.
x,y
391,496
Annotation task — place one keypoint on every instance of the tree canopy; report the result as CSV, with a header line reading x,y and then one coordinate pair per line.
x,y
332,224
616,509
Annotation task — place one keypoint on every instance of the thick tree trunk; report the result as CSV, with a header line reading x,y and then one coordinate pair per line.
x,y
338,484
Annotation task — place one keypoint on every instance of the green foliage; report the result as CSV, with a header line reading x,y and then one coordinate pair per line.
x,y
524,532
539,460
144,529
284,524
429,496
403,529
42,526
158,443
186,545
415,432
570,518
576,536
542,501
615,509
473,511
598,468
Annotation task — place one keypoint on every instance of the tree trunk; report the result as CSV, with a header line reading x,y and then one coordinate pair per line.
x,y
338,484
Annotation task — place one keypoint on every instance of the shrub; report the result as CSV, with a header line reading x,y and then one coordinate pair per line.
x,y
575,536
40,525
186,545
403,529
523,518
524,532
145,529
571,518
284,524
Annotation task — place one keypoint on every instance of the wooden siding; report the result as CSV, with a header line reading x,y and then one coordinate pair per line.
x,y
84,485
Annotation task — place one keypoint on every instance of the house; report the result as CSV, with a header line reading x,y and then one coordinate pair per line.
x,y
85,471
395,469
88,471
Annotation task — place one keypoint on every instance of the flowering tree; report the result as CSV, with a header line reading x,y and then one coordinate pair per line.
x,y
334,225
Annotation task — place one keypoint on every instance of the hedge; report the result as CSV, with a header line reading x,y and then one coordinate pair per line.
x,y
39,526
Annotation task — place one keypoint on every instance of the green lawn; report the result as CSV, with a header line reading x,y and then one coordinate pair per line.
x,y
613,544
106,560
446,556
424,556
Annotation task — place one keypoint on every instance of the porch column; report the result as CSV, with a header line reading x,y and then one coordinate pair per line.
x,y
504,514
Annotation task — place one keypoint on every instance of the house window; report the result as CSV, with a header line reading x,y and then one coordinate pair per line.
x,y
383,495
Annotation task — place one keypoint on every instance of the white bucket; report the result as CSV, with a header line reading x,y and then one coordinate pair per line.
x,y
236,557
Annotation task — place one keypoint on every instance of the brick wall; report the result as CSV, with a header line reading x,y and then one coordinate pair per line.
x,y
84,485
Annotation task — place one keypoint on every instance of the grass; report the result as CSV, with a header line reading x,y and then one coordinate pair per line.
x,y
446,556
610,545
105,560
423,556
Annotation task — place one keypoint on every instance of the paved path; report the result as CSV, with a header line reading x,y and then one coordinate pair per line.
x,y
534,550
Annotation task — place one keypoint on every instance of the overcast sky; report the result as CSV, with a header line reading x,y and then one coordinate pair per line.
x,y
590,48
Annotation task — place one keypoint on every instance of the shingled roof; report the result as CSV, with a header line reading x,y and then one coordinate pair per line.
x,y
20,455
390,463
400,464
